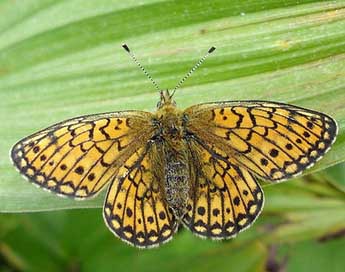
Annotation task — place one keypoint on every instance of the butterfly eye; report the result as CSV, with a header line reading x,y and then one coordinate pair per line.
x,y
184,119
156,123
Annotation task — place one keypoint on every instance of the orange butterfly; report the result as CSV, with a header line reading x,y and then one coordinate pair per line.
x,y
196,166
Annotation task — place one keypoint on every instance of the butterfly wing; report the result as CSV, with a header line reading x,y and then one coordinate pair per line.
x,y
79,156
226,198
273,140
134,209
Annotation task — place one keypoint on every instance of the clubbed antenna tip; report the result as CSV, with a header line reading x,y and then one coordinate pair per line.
x,y
126,48
210,50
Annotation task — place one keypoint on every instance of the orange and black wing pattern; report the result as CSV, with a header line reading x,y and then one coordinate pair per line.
x,y
275,141
225,199
79,156
135,209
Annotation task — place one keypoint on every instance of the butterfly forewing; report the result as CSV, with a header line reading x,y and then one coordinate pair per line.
x,y
135,208
273,140
79,156
226,198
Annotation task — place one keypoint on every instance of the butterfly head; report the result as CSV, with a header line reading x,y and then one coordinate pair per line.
x,y
165,99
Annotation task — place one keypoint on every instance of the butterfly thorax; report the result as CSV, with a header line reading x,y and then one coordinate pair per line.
x,y
176,183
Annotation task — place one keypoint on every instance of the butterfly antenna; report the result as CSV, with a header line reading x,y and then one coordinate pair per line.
x,y
193,69
141,67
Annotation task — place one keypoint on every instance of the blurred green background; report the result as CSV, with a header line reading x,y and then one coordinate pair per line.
x,y
60,59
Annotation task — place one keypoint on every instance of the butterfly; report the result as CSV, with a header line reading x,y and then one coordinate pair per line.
x,y
197,167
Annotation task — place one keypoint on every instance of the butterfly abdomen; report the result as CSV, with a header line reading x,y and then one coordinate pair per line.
x,y
176,183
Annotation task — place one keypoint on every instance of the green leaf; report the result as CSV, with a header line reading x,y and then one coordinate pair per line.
x,y
55,240
60,59
316,256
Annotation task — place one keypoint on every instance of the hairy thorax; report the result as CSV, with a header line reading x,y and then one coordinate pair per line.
x,y
176,181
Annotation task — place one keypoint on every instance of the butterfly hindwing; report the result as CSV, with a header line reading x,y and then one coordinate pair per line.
x,y
135,209
79,156
273,140
226,198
